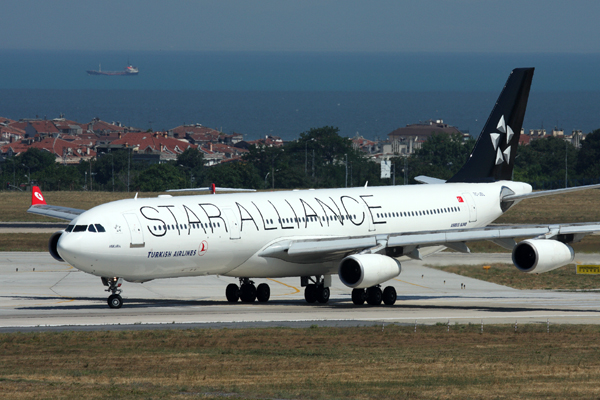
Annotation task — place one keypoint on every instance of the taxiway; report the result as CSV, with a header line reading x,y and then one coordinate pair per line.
x,y
38,292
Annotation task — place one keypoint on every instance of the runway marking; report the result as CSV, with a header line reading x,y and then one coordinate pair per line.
x,y
285,284
414,284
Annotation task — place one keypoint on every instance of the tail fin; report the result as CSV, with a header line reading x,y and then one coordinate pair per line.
x,y
494,154
36,196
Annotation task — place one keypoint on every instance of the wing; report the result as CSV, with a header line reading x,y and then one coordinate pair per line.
x,y
39,206
328,248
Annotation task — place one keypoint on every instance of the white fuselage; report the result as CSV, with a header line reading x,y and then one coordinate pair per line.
x,y
164,237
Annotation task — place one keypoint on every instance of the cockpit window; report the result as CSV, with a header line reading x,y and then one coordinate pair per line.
x,y
91,228
69,228
80,228
100,228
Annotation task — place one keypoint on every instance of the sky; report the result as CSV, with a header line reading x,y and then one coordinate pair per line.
x,y
461,26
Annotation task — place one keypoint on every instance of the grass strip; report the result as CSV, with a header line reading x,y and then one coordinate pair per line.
x,y
317,363
24,241
563,278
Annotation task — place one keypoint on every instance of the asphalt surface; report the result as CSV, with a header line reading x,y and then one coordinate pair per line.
x,y
39,293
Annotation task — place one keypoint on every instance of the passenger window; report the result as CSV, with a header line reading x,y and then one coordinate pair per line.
x,y
69,228
91,228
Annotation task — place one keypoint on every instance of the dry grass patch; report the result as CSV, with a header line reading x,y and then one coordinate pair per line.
x,y
563,278
24,241
15,204
327,363
580,206
589,244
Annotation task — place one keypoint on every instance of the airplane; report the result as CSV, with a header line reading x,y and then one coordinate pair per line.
x,y
363,234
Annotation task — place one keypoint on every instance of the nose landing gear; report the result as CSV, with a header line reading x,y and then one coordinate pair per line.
x,y
114,300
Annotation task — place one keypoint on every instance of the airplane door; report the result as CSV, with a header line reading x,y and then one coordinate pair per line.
x,y
135,230
232,223
471,206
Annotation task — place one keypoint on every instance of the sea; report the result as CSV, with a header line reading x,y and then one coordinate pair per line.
x,y
287,93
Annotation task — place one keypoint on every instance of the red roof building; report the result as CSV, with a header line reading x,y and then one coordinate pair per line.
x,y
152,143
98,126
65,152
41,128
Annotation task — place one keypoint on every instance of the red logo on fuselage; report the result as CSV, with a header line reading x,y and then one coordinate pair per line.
x,y
203,248
460,199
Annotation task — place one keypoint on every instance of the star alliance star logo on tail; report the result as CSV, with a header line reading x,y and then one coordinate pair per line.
x,y
502,155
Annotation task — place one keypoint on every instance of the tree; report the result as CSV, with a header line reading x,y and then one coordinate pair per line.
x,y
158,178
234,175
107,166
191,158
36,159
440,156
588,160
542,162
60,177
266,161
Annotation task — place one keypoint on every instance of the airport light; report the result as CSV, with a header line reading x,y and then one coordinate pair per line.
x,y
28,173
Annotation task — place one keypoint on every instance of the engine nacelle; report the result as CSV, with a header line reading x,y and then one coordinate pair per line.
x,y
52,245
361,271
541,255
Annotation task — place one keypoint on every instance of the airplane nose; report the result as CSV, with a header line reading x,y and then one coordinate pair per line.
x,y
66,247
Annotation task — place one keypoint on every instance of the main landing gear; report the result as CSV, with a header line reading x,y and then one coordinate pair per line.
x,y
316,289
374,296
247,292
114,300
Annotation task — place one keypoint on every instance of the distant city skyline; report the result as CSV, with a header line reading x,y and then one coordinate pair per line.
x,y
472,26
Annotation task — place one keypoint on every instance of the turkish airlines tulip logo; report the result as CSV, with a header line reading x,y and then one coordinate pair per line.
x,y
203,248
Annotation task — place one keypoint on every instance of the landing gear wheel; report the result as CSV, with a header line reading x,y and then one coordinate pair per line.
x,y
374,296
263,292
358,296
310,293
248,293
389,296
322,294
115,301
232,293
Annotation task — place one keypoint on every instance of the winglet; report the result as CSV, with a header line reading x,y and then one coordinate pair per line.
x,y
36,196
213,188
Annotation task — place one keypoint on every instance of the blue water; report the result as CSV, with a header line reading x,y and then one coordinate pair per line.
x,y
288,93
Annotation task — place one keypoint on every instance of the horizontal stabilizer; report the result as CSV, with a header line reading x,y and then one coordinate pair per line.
x,y
429,180
542,193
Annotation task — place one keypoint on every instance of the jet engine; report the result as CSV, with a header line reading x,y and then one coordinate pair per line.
x,y
541,255
52,245
361,271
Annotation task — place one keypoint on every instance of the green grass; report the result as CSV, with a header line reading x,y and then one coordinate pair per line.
x,y
312,363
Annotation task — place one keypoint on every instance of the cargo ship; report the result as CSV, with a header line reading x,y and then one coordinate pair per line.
x,y
129,70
